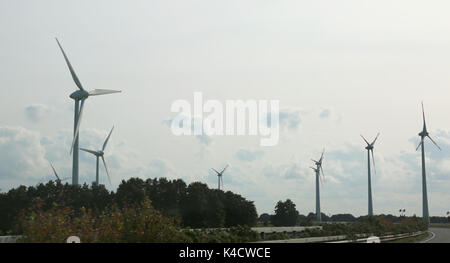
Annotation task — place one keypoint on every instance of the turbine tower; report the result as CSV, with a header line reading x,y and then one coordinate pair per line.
x,y
423,134
219,175
369,149
80,95
99,154
317,170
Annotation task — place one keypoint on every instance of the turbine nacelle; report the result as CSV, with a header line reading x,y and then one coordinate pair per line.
x,y
369,147
96,153
79,95
318,163
423,133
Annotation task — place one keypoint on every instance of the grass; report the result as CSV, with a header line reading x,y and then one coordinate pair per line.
x,y
410,239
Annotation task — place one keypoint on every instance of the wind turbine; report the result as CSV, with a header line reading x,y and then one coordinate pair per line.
x,y
369,149
80,95
56,174
99,154
317,170
219,175
423,134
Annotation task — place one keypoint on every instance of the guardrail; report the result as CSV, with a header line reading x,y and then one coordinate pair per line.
x,y
383,238
9,239
361,238
287,229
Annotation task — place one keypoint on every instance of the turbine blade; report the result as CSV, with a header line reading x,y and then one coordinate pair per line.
x,y
373,161
102,92
221,181
224,169
423,113
75,134
321,156
321,169
54,171
375,139
72,72
215,171
421,141
107,138
364,139
423,116
89,151
434,142
106,168
314,160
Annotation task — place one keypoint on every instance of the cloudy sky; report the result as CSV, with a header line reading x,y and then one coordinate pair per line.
x,y
338,68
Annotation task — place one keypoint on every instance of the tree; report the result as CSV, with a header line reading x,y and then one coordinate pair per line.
x,y
343,218
285,214
265,219
166,195
195,205
131,192
239,211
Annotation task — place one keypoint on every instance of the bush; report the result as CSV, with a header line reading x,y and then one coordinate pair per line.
x,y
137,223
238,234
277,236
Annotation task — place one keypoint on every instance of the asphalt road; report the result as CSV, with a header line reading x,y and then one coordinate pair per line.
x,y
438,235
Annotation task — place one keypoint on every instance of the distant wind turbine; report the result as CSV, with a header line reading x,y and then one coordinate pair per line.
x,y
318,170
219,176
99,154
56,174
423,134
369,149
80,95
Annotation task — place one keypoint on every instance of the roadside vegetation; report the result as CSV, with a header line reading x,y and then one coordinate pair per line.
x,y
193,205
161,210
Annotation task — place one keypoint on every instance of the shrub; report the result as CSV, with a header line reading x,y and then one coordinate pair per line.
x,y
137,223
238,234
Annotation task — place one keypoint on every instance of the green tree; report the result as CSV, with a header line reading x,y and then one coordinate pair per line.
x,y
131,192
239,211
195,205
285,214
166,195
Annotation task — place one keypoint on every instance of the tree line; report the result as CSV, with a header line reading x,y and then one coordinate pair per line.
x,y
286,214
193,205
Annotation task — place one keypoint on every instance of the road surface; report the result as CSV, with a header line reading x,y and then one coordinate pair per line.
x,y
438,235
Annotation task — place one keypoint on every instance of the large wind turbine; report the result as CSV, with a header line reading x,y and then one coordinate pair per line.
x,y
99,154
318,169
423,134
80,95
369,149
219,175
56,174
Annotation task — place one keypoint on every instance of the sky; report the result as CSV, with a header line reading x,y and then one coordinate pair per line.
x,y
338,68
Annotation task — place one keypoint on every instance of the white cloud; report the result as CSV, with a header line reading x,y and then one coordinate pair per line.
x,y
248,155
325,114
37,112
290,118
21,155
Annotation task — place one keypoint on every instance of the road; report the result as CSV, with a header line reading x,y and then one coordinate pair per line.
x,y
438,235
